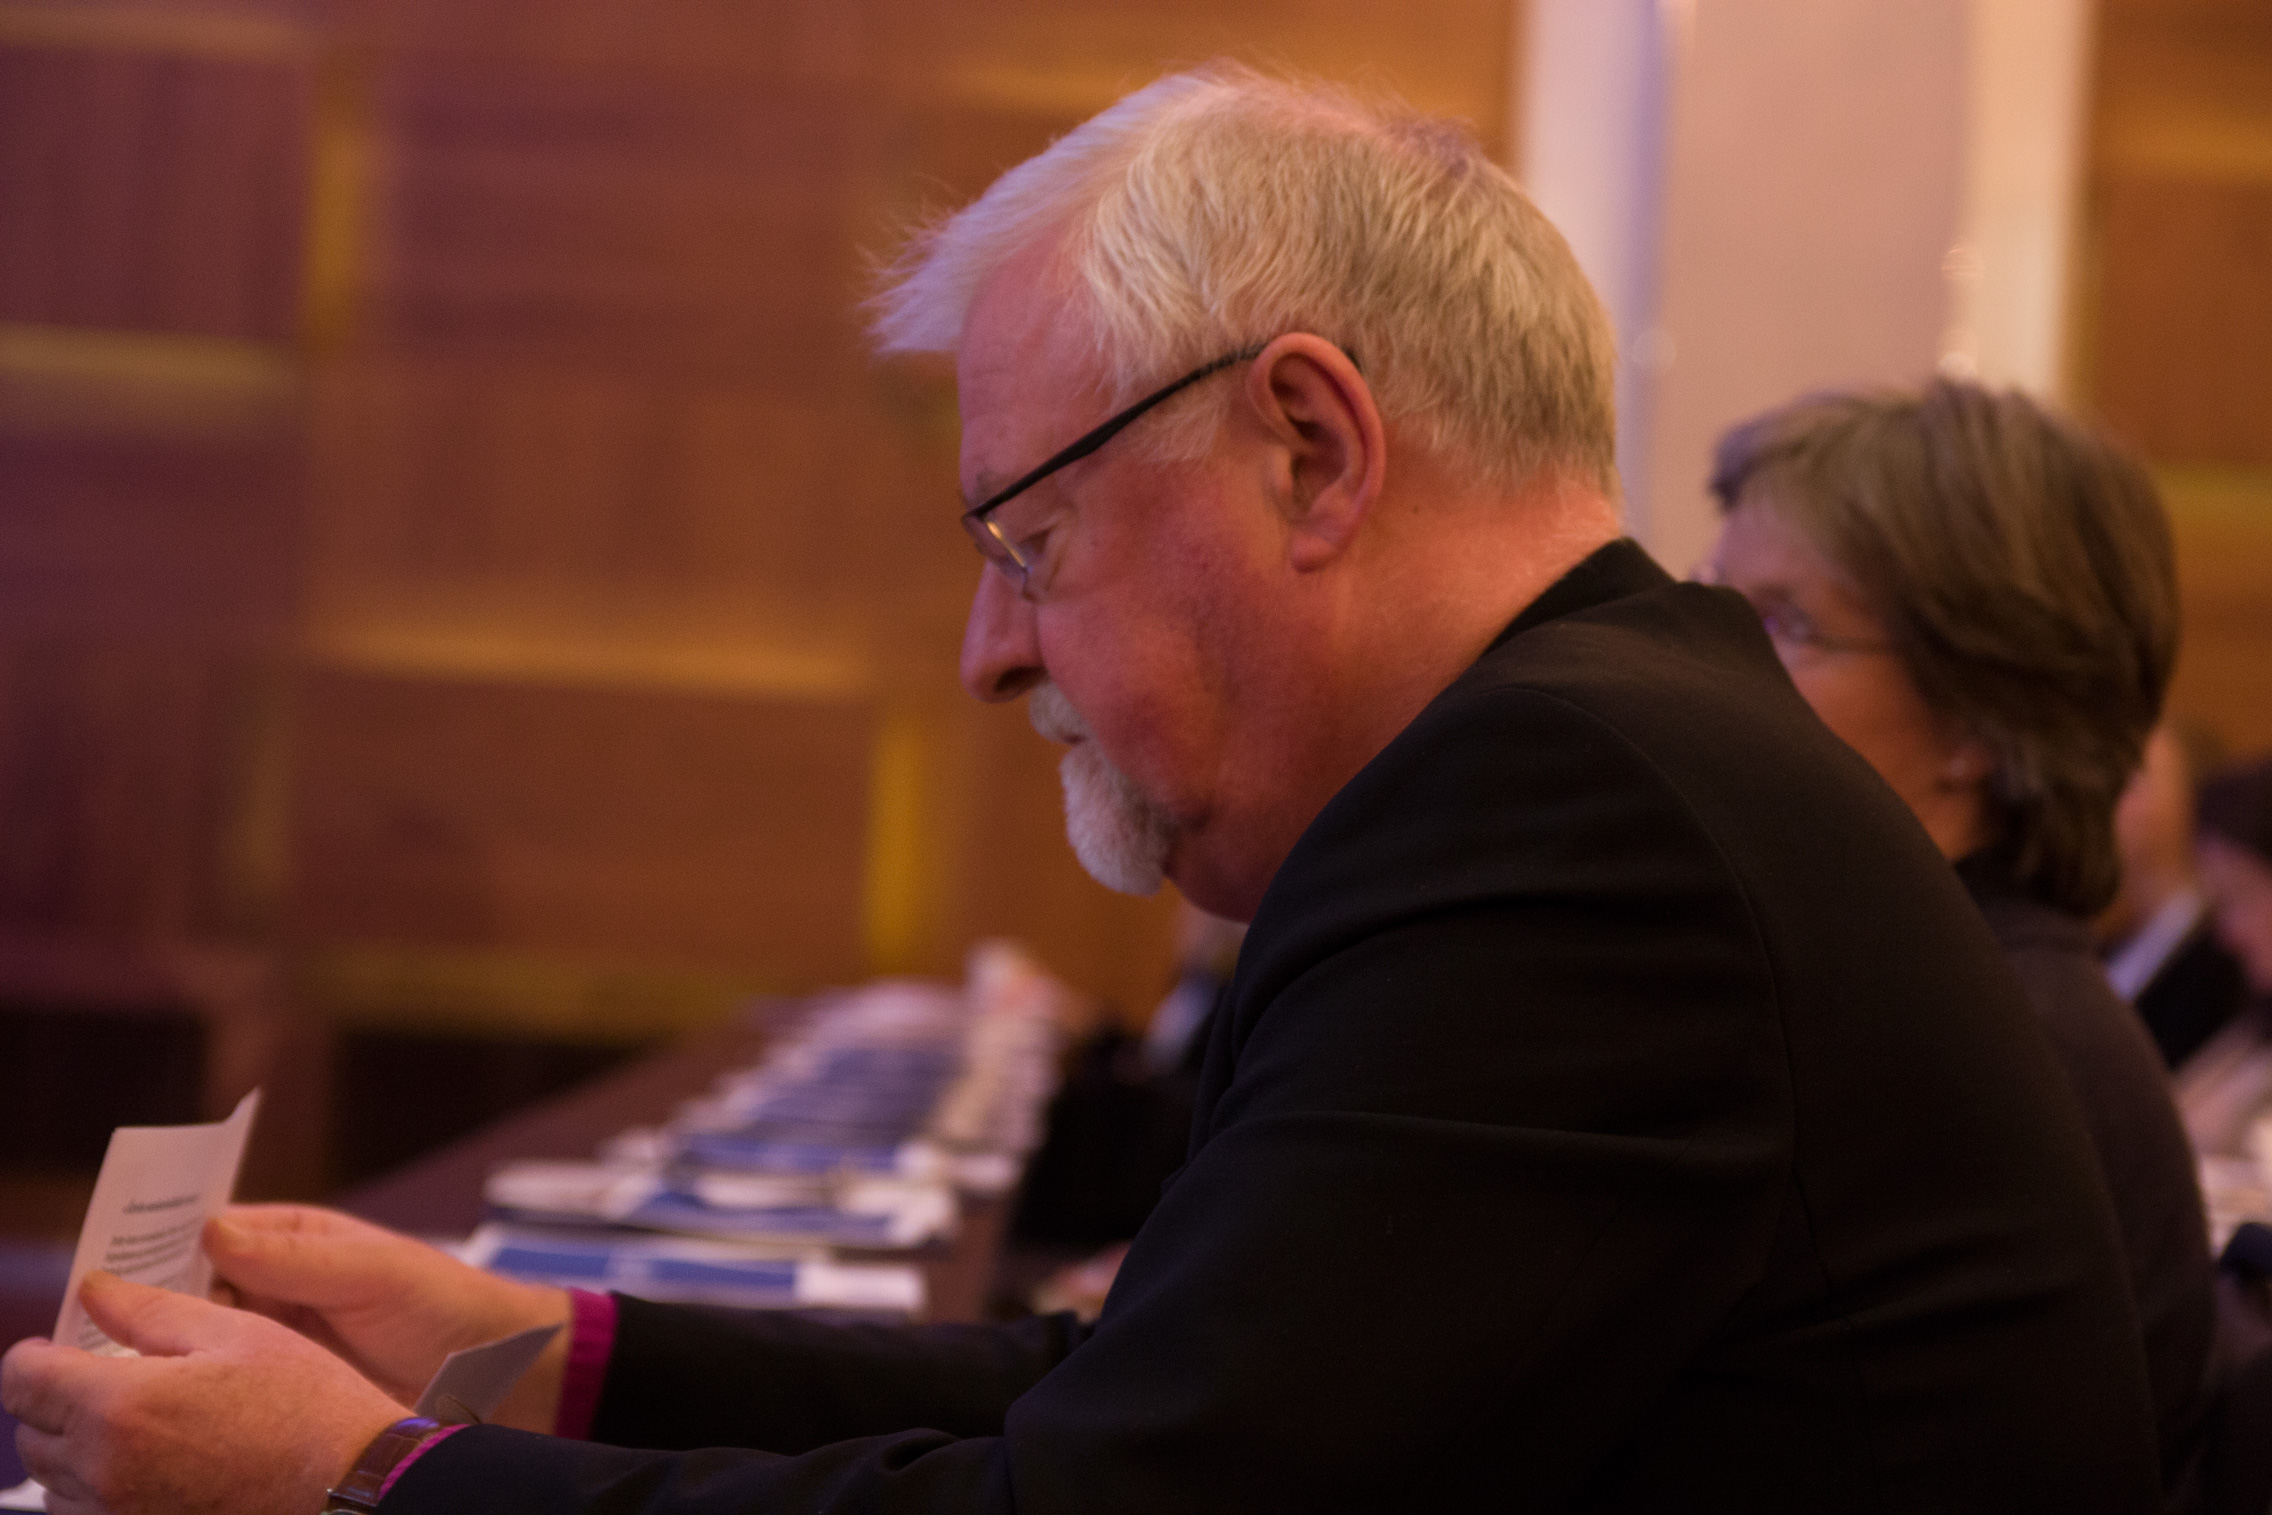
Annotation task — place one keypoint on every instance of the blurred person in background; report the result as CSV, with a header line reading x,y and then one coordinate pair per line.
x,y
1981,599
2225,1089
1121,1123
2235,849
2162,950
2226,1086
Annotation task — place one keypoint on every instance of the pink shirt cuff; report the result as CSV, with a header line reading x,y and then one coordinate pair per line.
x,y
591,1342
433,1440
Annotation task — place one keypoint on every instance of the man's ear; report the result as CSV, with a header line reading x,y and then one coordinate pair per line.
x,y
1315,405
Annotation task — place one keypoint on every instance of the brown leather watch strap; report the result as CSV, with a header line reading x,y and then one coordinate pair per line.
x,y
358,1492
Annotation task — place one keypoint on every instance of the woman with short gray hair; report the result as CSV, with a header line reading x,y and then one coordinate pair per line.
x,y
1980,598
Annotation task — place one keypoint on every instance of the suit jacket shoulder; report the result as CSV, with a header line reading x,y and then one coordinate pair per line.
x,y
1620,900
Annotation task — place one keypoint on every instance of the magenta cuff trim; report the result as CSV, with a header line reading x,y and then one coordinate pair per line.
x,y
591,1342
429,1444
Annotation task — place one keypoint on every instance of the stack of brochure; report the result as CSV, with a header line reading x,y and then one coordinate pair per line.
x,y
791,1183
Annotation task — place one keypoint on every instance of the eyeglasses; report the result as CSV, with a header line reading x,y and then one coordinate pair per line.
x,y
1019,560
1792,629
1787,626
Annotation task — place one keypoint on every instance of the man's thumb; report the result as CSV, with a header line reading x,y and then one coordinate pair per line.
x,y
154,1322
291,1266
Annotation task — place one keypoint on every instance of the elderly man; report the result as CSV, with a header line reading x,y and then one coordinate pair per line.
x,y
1617,1105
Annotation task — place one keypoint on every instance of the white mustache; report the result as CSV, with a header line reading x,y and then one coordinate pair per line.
x,y
1053,715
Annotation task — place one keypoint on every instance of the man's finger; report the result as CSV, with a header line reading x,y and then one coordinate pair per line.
x,y
313,1219
39,1382
47,1457
294,1258
154,1322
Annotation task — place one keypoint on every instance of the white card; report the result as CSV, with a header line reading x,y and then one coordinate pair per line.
x,y
158,1187
471,1384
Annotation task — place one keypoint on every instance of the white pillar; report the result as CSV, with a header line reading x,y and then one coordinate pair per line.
x,y
1595,89
1813,193
2026,120
1776,196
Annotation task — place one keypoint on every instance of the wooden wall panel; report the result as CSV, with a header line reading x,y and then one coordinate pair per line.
x,y
151,223
677,38
151,191
605,412
2177,320
595,486
588,823
592,215
2184,356
2223,521
113,799
1449,57
146,537
489,379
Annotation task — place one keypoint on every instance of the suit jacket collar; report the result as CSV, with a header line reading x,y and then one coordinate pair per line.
x,y
1610,572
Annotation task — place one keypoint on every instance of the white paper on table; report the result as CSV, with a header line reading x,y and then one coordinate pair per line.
x,y
471,1384
856,1286
598,1191
158,1187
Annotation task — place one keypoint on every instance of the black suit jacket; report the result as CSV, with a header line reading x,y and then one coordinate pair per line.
x,y
2142,1150
1618,1106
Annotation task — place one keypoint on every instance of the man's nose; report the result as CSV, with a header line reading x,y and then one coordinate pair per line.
x,y
1001,655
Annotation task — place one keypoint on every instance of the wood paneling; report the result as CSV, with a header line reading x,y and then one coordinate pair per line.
x,y
140,538
1449,57
472,553
604,410
2184,355
151,191
2223,521
2177,320
677,39
742,514
590,823
599,216
113,794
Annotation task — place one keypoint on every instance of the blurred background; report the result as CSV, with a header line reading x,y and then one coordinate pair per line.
x,y
470,608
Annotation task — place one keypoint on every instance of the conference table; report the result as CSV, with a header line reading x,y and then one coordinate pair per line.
x,y
439,1195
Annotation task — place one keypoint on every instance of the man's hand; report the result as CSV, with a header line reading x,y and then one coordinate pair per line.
x,y
224,1413
391,1306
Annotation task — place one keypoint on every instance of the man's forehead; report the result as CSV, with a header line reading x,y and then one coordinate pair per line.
x,y
1022,380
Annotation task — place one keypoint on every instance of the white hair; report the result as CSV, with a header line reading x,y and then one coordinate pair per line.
x,y
1219,208
1121,838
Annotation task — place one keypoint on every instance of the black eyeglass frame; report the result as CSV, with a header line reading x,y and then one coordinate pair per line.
x,y
1787,625
997,548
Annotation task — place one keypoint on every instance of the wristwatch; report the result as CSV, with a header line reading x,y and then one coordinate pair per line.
x,y
358,1492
